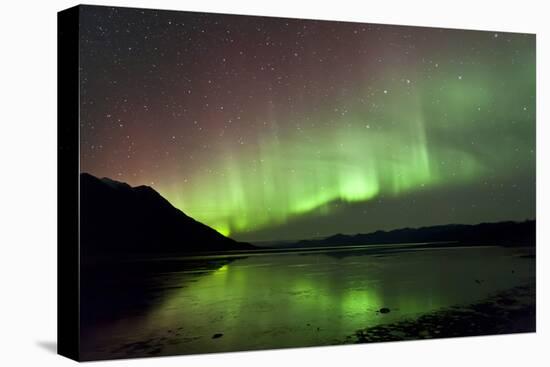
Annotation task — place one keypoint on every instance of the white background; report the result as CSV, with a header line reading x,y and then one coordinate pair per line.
x,y
28,182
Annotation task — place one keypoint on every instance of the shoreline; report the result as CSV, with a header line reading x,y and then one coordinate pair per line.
x,y
507,312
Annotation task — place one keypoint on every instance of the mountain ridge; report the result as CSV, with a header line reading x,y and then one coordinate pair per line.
x,y
118,219
505,233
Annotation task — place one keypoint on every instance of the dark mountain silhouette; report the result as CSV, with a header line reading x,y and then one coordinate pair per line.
x,y
117,219
501,233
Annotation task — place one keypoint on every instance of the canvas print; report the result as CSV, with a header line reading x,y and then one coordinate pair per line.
x,y
252,182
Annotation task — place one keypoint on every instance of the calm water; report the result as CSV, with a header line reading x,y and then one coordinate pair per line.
x,y
292,299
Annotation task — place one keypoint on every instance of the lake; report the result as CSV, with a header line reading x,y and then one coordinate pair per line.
x,y
263,300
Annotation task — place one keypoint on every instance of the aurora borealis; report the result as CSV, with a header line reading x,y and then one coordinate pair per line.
x,y
271,128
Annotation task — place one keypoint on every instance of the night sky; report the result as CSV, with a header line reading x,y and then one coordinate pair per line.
x,y
271,128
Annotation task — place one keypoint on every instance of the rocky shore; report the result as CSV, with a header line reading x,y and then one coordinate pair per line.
x,y
512,311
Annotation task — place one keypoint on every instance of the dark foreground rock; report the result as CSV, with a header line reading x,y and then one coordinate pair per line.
x,y
508,312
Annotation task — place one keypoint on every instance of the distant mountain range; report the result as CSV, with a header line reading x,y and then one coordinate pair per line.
x,y
501,233
120,220
117,219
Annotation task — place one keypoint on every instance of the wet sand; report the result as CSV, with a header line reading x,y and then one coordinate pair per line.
x,y
512,311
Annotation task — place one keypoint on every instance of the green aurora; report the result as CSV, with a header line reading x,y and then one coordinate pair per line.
x,y
268,128
417,133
